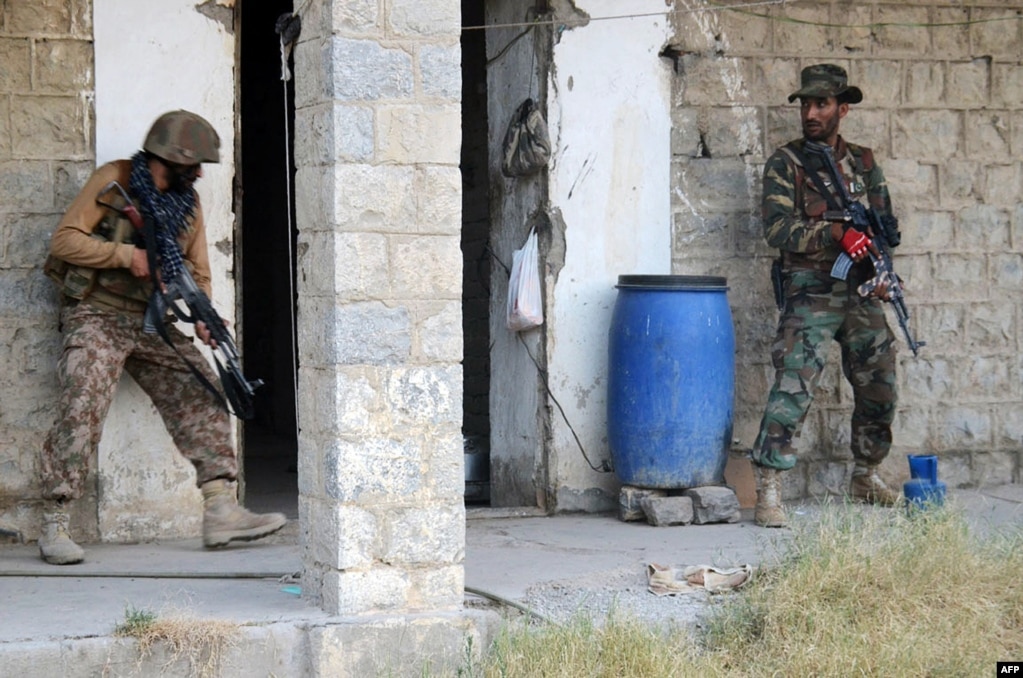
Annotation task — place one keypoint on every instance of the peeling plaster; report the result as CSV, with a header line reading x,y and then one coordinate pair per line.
x,y
708,23
555,259
220,11
225,246
567,16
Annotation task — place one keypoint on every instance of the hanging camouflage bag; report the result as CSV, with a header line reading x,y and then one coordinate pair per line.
x,y
527,146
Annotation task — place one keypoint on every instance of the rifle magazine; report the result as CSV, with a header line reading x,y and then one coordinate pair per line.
x,y
840,270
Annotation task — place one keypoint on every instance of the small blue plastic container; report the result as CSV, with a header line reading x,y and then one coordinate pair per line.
x,y
923,489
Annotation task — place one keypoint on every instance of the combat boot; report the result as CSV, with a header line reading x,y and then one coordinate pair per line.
x,y
224,521
769,511
867,487
55,544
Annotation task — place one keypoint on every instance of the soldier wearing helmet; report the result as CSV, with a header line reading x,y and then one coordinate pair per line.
x,y
181,141
183,138
101,263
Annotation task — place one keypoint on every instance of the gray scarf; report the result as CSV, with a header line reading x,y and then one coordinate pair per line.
x,y
169,211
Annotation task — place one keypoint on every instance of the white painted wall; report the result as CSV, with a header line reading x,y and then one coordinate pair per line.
x,y
152,57
609,115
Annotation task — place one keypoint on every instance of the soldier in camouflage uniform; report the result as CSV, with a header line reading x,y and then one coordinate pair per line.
x,y
100,262
817,307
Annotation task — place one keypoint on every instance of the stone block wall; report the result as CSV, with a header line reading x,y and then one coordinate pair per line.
x,y
378,194
943,109
46,153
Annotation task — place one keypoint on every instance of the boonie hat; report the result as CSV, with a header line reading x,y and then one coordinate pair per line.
x,y
826,80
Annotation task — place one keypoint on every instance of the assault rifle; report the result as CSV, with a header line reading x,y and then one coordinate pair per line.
x,y
885,235
238,390
169,296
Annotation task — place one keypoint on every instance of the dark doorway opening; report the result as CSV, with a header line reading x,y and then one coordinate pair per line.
x,y
267,237
475,256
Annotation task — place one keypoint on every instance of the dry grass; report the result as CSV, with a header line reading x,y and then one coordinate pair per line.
x,y
857,593
876,593
614,648
201,643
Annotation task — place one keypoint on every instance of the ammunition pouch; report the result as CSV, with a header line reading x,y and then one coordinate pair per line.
x,y
76,282
114,288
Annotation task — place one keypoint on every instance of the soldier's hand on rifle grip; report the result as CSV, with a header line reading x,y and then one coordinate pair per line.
x,y
855,243
204,334
139,264
881,291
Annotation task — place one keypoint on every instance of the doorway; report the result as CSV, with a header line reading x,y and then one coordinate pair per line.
x,y
267,233
270,440
476,262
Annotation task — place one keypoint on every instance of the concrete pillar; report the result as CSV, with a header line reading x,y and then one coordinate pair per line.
x,y
378,190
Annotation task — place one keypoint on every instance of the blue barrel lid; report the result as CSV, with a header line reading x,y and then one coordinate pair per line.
x,y
672,282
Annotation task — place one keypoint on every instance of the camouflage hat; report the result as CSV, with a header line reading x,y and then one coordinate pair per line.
x,y
184,138
826,80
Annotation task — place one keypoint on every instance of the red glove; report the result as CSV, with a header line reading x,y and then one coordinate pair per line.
x,y
855,243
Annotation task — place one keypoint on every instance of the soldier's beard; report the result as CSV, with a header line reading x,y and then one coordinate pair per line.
x,y
181,182
820,130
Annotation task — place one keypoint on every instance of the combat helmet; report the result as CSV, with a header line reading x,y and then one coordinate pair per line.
x,y
184,138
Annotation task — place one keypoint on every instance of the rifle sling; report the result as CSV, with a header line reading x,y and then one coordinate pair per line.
x,y
829,196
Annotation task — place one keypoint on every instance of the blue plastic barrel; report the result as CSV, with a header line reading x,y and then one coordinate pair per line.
x,y
671,380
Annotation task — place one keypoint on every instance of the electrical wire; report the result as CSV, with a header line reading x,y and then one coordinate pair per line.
x,y
742,8
510,603
288,28
129,574
603,468
640,15
291,256
881,24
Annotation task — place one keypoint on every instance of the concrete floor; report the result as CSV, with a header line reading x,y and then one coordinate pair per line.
x,y
258,585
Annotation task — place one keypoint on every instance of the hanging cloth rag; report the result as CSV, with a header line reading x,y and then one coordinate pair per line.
x,y
288,26
527,144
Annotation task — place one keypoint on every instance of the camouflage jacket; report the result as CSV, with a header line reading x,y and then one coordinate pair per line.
x,y
793,208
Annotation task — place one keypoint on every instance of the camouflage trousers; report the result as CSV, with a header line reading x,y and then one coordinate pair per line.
x,y
819,308
98,345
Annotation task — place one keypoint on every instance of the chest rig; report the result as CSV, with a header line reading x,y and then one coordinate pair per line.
x,y
114,288
855,164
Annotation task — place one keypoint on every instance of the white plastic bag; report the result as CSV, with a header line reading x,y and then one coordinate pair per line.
x,y
525,303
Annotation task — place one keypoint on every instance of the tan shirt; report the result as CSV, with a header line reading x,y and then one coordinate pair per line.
x,y
72,242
